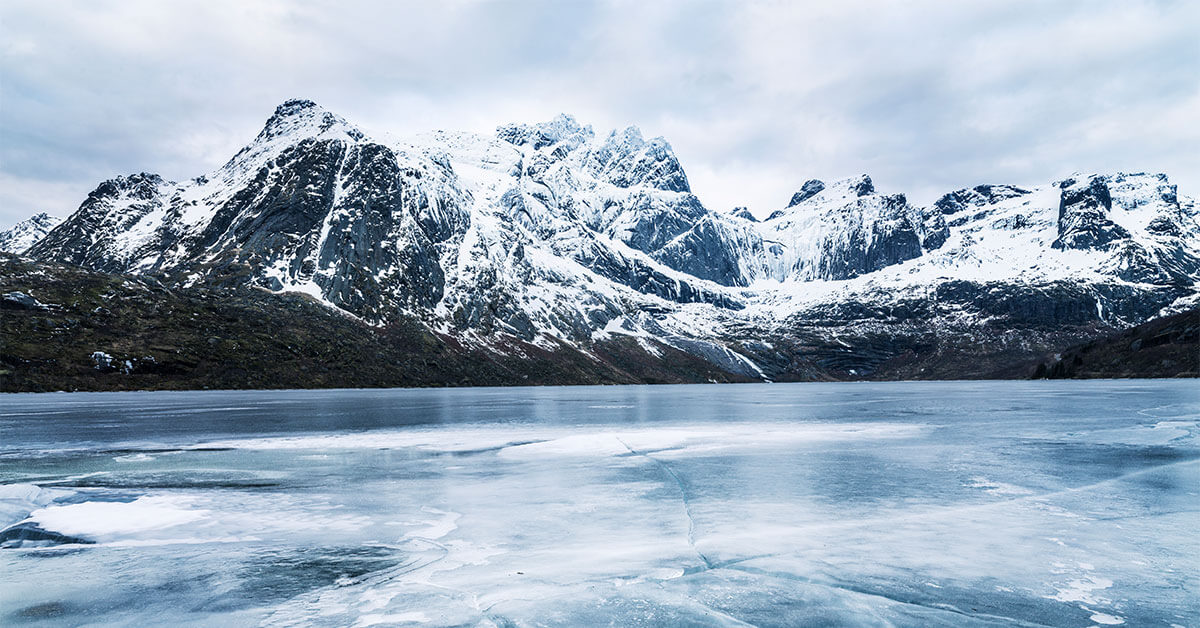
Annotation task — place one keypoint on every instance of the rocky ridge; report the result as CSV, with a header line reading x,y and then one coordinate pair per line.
x,y
18,238
550,233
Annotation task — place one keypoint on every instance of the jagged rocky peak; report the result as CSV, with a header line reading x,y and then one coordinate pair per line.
x,y
818,194
623,158
1091,191
626,159
1131,191
142,185
844,229
977,196
862,185
562,128
841,190
18,238
94,235
304,118
811,188
124,193
743,213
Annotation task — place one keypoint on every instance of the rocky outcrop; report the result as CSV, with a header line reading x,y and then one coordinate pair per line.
x,y
811,188
1083,215
977,196
877,241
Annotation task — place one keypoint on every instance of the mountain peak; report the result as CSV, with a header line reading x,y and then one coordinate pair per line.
x,y
842,189
18,238
811,188
630,134
305,118
860,185
294,106
561,127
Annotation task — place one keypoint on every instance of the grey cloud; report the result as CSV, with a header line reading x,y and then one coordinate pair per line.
x,y
756,97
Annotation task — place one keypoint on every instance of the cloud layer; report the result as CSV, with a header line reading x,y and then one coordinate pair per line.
x,y
756,97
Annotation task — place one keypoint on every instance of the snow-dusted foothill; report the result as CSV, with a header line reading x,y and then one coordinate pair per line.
x,y
18,238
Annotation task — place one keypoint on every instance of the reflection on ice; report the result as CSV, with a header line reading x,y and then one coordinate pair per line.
x,y
1077,508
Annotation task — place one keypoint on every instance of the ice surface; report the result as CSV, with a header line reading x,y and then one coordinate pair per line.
x,y
914,504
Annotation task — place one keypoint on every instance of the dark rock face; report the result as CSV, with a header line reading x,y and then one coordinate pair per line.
x,y
280,205
1056,303
380,249
711,250
811,188
864,186
17,300
349,219
931,227
1169,263
977,196
1003,304
1083,215
1163,226
888,242
656,223
645,278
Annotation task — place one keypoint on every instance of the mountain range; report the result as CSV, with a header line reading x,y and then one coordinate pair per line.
x,y
553,238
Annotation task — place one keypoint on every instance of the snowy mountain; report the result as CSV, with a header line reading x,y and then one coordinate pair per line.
x,y
557,236
24,234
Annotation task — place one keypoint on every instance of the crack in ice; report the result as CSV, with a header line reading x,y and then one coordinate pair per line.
x,y
687,506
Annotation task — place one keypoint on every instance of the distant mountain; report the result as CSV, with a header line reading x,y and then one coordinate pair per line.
x,y
24,234
553,235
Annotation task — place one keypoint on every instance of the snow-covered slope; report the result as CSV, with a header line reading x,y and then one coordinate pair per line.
x,y
24,234
1130,228
844,230
550,232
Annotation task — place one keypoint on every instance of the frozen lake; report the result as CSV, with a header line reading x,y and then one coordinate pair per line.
x,y
899,504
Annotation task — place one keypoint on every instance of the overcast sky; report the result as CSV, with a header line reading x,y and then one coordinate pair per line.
x,y
756,97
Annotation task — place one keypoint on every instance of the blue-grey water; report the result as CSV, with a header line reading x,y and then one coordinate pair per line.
x,y
898,504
